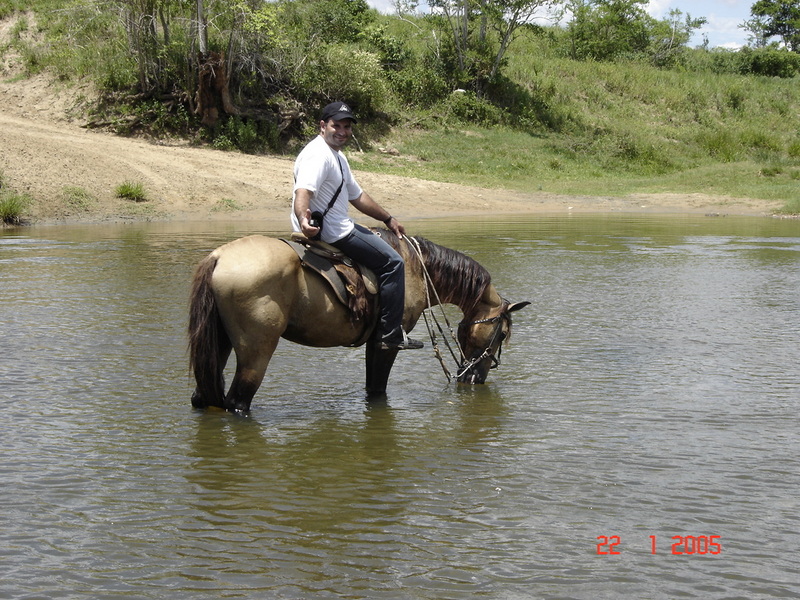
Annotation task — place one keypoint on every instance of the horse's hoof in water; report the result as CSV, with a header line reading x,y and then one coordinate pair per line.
x,y
197,401
238,408
376,396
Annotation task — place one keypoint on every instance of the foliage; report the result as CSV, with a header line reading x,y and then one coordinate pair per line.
x,y
613,29
248,136
669,37
479,35
770,62
779,18
608,29
467,107
337,71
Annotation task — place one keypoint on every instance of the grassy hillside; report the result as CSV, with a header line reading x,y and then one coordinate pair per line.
x,y
618,128
553,123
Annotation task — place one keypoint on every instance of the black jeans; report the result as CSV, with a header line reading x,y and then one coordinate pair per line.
x,y
373,252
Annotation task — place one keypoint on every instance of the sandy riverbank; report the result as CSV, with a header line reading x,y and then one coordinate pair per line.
x,y
44,153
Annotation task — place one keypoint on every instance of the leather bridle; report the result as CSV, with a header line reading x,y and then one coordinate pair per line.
x,y
493,339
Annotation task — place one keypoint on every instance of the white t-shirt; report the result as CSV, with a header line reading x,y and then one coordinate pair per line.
x,y
317,170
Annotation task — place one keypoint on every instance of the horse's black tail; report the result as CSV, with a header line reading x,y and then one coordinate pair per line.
x,y
209,344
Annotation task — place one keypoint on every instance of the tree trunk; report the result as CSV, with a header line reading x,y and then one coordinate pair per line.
x,y
202,28
213,94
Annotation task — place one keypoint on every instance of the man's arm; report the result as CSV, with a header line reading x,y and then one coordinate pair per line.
x,y
302,200
369,207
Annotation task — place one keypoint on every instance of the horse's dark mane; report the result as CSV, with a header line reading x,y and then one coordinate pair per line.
x,y
457,278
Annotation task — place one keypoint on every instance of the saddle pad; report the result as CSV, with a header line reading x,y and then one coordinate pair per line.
x,y
336,256
323,266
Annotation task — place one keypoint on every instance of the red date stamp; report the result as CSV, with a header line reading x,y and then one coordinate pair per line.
x,y
681,544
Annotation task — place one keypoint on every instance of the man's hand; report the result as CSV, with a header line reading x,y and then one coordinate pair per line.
x,y
306,228
396,227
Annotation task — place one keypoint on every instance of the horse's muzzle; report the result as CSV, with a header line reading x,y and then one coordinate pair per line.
x,y
472,375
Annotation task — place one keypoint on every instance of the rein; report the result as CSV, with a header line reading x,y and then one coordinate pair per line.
x,y
467,363
428,287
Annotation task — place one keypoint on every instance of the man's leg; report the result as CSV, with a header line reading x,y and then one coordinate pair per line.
x,y
373,252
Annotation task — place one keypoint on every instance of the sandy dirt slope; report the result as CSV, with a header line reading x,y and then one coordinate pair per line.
x,y
48,153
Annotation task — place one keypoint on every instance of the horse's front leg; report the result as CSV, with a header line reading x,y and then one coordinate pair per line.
x,y
379,365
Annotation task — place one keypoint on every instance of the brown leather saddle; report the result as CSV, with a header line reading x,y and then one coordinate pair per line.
x,y
355,286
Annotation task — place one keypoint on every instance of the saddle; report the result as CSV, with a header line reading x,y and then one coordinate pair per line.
x,y
354,285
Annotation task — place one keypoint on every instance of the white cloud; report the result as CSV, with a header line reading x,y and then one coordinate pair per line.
x,y
384,6
659,8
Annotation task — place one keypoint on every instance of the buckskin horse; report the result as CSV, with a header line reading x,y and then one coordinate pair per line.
x,y
249,293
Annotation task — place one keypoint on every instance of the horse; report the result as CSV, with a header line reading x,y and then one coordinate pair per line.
x,y
249,293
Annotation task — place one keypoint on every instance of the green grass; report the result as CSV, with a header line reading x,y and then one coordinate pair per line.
x,y
130,190
12,207
617,129
77,198
559,164
226,205
792,207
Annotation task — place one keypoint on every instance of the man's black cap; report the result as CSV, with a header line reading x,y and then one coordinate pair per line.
x,y
338,111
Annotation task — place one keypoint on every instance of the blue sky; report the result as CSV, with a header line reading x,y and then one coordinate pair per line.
x,y
723,17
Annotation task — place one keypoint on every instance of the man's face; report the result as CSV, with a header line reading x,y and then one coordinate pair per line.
x,y
336,133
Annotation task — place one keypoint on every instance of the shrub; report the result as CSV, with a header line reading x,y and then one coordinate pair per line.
x,y
633,151
131,191
12,207
394,53
421,85
466,106
727,61
345,73
246,135
770,62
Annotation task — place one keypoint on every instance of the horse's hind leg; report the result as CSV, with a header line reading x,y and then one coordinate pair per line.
x,y
251,366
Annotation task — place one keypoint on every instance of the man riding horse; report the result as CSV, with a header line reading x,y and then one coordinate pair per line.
x,y
323,187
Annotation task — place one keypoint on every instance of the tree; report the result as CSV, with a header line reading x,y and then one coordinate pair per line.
x,y
756,27
669,37
779,18
610,29
607,29
481,32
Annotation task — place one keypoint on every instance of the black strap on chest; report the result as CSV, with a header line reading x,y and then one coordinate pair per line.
x,y
338,190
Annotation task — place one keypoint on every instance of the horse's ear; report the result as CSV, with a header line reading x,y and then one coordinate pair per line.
x,y
516,306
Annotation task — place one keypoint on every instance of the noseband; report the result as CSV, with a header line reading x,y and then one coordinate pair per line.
x,y
487,352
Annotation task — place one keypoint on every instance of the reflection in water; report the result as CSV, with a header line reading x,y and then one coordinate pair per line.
x,y
650,390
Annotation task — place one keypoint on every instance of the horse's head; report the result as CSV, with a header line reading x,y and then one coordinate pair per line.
x,y
481,340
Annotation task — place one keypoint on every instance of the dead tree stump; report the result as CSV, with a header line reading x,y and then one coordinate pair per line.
x,y
213,95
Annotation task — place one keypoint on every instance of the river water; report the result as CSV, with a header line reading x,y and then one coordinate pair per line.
x,y
640,439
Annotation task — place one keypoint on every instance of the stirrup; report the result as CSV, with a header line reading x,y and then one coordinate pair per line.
x,y
406,344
